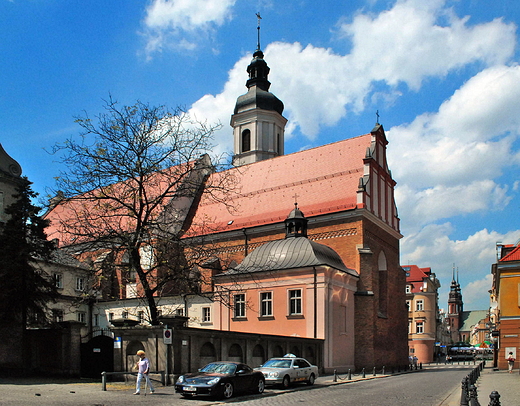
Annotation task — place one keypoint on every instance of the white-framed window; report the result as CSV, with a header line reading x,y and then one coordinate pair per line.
x,y
110,316
95,320
80,283
206,314
58,280
57,315
419,305
179,311
295,301
408,288
409,305
239,305
124,314
266,304
140,316
81,316
419,327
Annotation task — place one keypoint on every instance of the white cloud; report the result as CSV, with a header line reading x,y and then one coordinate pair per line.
x,y
473,291
472,258
402,45
183,23
446,163
409,42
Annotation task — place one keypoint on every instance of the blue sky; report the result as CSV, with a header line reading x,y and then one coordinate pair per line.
x,y
443,75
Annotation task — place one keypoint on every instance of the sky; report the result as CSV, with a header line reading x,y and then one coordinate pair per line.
x,y
443,76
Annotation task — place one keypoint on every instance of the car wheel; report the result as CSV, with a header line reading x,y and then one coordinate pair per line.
x,y
261,386
228,390
311,380
286,382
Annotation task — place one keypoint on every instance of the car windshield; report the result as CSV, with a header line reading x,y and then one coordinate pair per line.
x,y
220,368
277,363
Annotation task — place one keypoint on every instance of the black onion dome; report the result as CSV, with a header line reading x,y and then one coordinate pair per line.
x,y
258,98
258,95
290,253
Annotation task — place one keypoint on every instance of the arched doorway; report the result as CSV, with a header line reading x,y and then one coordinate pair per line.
x,y
97,355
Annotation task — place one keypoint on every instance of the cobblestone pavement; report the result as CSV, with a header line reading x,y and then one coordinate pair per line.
x,y
325,392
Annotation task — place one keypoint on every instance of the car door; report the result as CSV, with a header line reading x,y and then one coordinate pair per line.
x,y
303,370
244,377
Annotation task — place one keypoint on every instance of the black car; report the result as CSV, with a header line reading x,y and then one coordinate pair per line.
x,y
221,379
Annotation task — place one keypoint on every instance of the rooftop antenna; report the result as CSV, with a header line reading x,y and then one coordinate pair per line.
x,y
258,28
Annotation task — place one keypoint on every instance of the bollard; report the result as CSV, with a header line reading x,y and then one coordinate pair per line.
x,y
494,398
420,365
363,373
335,376
464,392
473,396
383,372
349,376
374,372
103,381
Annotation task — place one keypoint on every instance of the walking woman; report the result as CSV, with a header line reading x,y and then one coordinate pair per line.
x,y
143,368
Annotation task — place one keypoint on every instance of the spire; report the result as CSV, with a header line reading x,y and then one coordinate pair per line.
x,y
258,69
258,28
257,121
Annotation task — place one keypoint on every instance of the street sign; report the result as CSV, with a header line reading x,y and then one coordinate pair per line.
x,y
167,336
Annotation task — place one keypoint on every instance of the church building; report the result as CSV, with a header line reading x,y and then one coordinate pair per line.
x,y
346,191
332,273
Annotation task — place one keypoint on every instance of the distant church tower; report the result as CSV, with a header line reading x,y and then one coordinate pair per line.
x,y
258,124
455,309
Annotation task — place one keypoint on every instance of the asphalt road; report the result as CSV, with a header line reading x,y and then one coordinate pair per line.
x,y
426,387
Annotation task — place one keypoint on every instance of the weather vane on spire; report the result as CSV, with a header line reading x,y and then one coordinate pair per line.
x,y
258,28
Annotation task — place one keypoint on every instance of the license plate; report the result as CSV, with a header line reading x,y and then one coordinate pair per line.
x,y
189,389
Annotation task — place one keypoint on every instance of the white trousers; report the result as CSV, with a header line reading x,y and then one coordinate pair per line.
x,y
138,383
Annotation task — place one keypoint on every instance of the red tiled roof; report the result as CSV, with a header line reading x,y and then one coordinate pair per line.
x,y
324,179
512,256
415,276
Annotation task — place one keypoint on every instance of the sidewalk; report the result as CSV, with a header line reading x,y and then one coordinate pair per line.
x,y
506,384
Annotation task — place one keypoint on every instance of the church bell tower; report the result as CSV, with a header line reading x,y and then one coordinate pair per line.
x,y
258,124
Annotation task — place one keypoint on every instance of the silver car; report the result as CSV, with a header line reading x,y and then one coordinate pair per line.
x,y
288,369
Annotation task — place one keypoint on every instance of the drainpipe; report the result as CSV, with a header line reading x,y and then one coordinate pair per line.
x,y
246,248
315,302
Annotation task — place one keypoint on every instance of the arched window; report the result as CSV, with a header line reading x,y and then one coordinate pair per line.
x,y
258,355
383,284
246,141
235,353
207,354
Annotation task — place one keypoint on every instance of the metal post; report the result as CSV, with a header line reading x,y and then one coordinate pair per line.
x,y
383,372
473,396
464,392
494,398
374,371
336,376
363,373
349,374
103,381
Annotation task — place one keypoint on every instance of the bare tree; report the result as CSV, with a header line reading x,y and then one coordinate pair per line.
x,y
135,176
